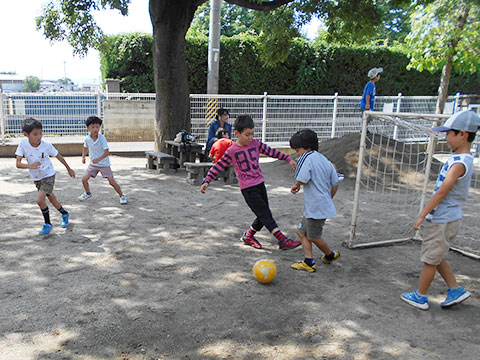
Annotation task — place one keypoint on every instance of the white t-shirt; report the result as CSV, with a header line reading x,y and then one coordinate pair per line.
x,y
96,149
40,153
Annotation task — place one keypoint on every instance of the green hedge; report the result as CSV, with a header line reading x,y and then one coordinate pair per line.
x,y
309,68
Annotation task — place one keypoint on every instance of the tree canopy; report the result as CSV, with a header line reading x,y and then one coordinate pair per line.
x,y
445,35
31,84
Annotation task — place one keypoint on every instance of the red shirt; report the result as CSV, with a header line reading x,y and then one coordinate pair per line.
x,y
219,147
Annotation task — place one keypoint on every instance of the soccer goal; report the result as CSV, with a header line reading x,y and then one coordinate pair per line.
x,y
399,158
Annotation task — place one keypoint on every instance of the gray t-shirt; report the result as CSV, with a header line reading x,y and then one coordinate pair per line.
x,y
319,175
96,149
449,209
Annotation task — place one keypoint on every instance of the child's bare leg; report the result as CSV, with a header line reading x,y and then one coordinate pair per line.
x,y
115,185
322,245
446,272
426,278
85,184
41,200
306,244
53,200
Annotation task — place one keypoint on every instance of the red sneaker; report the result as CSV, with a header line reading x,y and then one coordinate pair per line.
x,y
288,244
251,241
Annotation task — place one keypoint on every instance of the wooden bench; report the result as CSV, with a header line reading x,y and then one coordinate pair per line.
x,y
196,172
161,161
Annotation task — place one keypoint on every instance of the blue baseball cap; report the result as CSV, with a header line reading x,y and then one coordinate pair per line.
x,y
465,120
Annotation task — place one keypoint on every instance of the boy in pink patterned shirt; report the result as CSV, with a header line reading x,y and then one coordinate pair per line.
x,y
244,155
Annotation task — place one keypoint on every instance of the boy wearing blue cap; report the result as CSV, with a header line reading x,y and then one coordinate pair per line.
x,y
443,215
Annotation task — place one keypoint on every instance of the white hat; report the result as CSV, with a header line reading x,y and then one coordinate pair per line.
x,y
465,120
374,72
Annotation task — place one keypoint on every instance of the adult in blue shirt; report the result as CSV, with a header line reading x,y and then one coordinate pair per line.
x,y
369,92
220,122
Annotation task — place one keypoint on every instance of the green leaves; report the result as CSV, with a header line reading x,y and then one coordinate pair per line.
x,y
442,31
31,84
72,20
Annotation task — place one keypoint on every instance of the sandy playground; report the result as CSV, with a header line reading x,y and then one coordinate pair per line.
x,y
166,277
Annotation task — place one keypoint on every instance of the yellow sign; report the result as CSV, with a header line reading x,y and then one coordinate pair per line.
x,y
211,111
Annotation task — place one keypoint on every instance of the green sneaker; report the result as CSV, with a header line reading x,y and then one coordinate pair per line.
x,y
303,266
336,255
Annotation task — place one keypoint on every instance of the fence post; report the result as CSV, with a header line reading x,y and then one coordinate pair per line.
x,y
264,117
2,119
99,104
399,102
99,111
457,101
334,116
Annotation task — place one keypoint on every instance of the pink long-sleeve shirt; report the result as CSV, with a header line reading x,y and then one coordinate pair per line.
x,y
245,159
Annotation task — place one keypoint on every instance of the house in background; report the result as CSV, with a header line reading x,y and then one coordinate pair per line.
x,y
11,82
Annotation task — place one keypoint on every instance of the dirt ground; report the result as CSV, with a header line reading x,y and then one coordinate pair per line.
x,y
166,277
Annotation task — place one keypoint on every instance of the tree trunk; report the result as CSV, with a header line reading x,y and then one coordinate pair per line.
x,y
170,20
443,88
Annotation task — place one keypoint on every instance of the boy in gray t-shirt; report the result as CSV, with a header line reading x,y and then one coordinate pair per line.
x,y
97,147
443,215
320,183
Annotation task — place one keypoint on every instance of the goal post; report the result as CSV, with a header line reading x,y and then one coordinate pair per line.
x,y
399,157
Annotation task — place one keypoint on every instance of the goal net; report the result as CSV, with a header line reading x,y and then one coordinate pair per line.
x,y
400,157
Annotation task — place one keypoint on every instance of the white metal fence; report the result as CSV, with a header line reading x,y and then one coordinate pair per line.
x,y
276,117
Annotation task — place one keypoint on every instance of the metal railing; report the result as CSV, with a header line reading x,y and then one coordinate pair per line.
x,y
276,117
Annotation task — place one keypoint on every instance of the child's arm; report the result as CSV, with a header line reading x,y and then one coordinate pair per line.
x,y
296,187
333,190
367,102
62,160
274,153
457,170
223,163
21,165
105,154
84,153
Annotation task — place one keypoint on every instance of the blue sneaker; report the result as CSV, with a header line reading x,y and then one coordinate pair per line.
x,y
455,296
46,229
412,298
65,219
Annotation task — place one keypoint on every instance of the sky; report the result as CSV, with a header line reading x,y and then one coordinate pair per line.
x,y
27,53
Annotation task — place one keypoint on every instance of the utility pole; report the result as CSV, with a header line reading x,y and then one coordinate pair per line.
x,y
214,46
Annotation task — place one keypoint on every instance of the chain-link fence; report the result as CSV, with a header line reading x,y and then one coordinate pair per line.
x,y
276,117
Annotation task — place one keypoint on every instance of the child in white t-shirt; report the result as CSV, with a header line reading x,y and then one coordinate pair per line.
x,y
97,147
37,152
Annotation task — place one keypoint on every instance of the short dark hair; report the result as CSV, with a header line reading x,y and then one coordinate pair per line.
x,y
220,132
93,120
471,135
30,124
243,122
305,138
222,111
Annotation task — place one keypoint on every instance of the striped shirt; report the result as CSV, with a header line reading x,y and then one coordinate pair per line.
x,y
245,159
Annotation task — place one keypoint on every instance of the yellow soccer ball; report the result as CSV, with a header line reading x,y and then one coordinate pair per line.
x,y
264,271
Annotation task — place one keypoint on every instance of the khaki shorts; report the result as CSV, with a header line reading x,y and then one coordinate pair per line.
x,y
45,185
311,228
106,171
437,239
